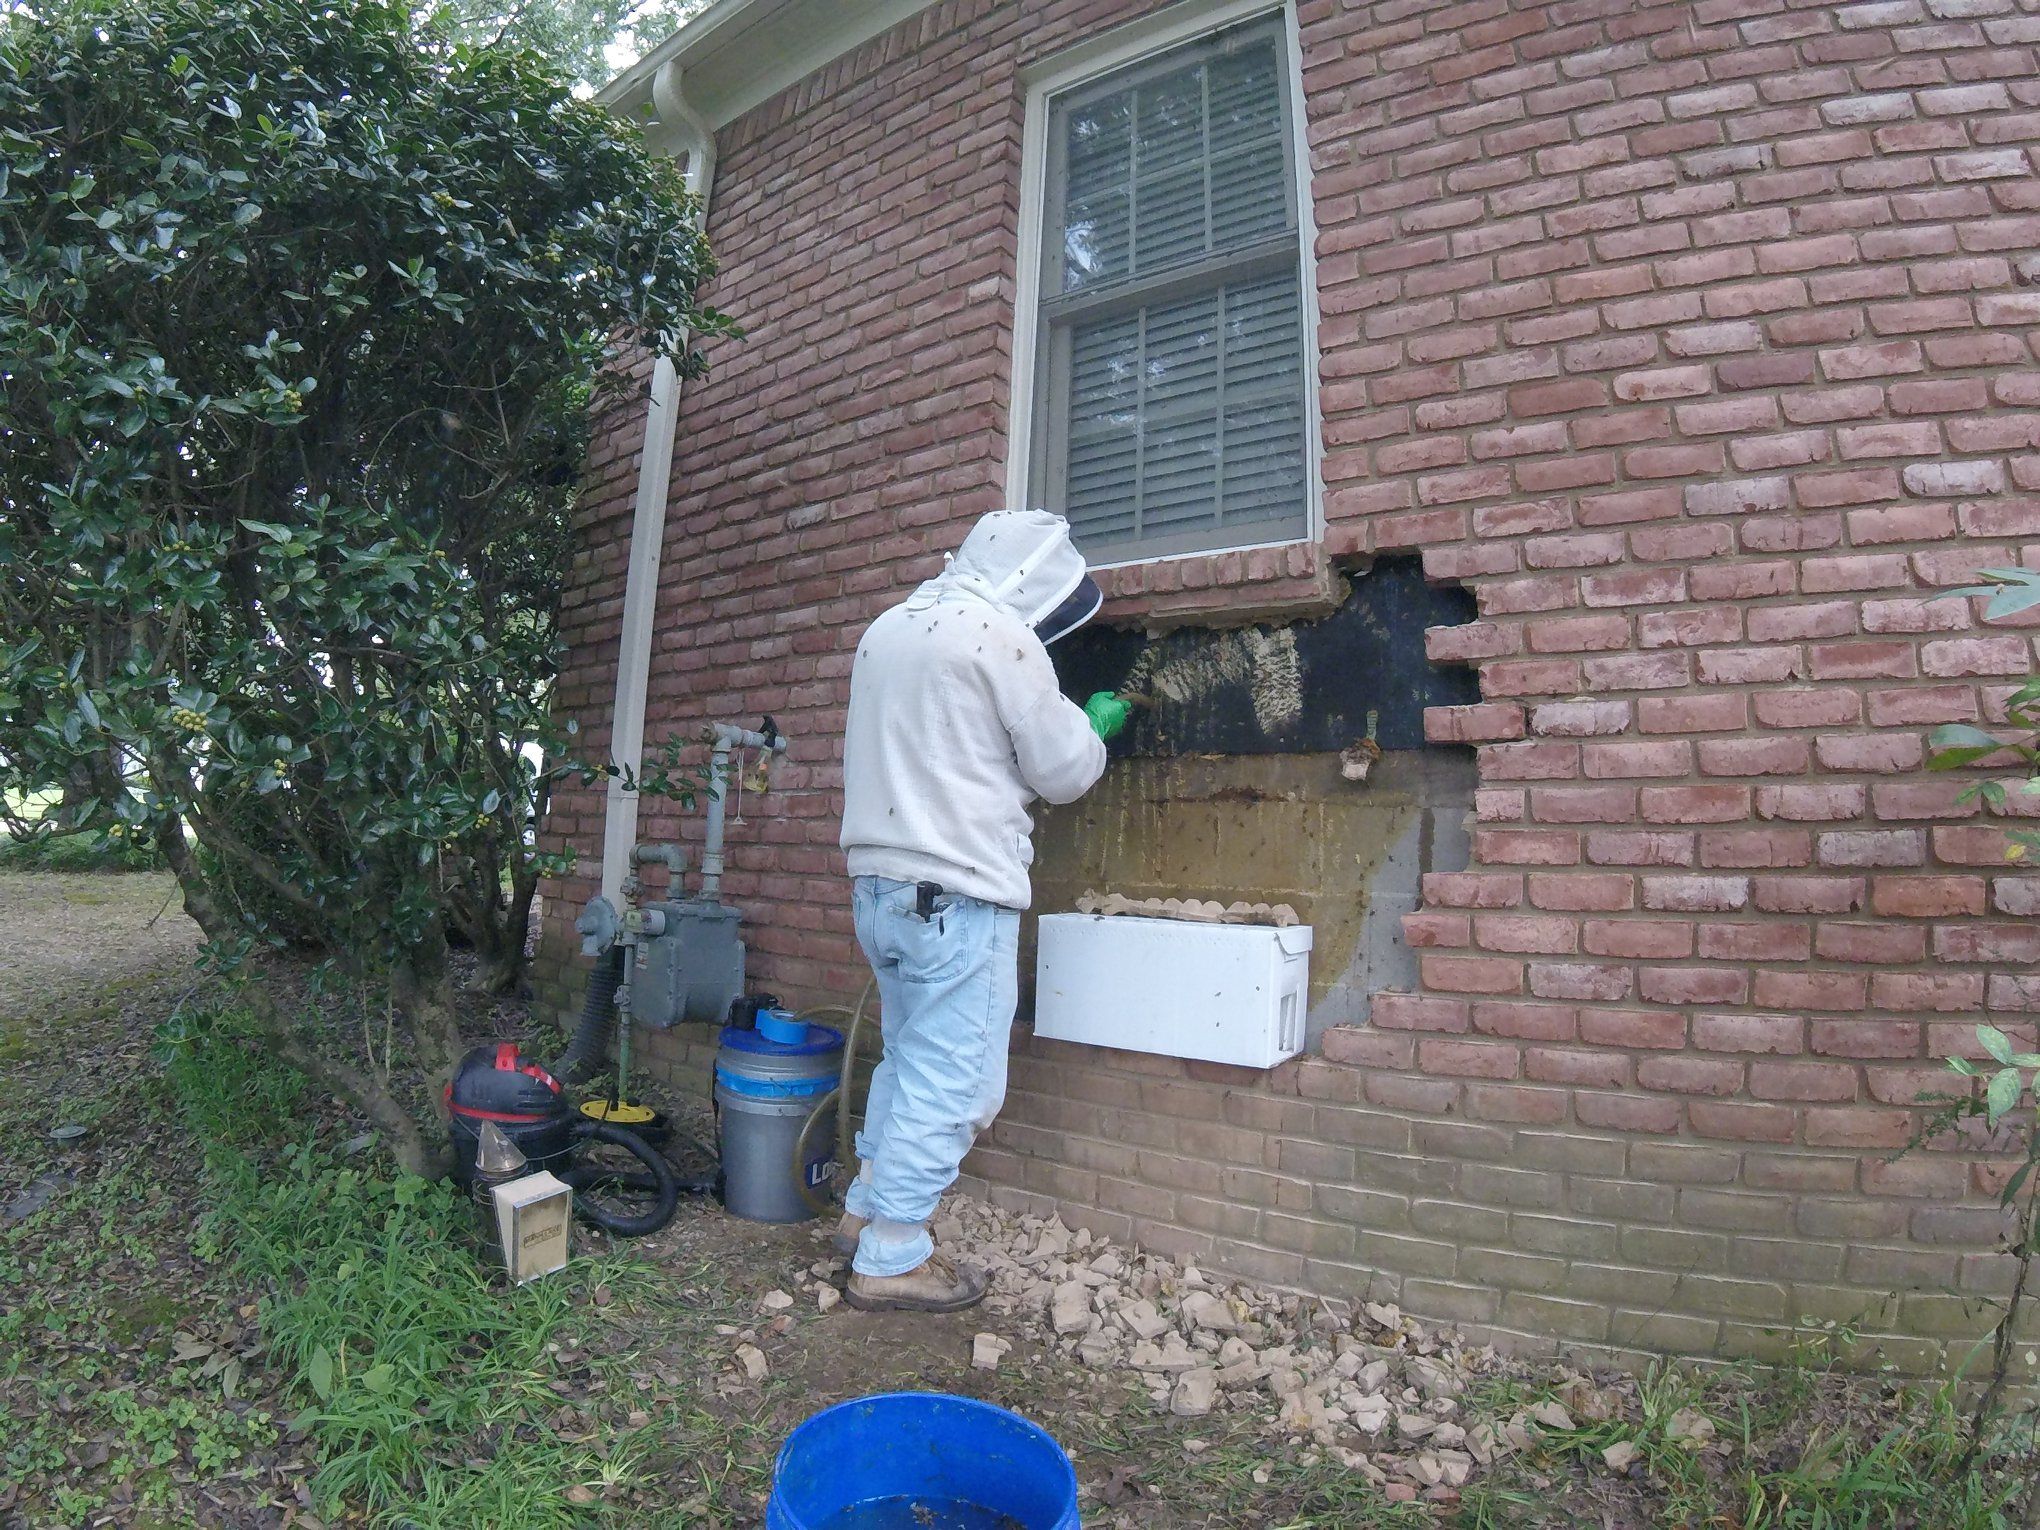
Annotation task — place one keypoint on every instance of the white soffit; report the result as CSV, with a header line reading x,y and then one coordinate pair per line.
x,y
740,53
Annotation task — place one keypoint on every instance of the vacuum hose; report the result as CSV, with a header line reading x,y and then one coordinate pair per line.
x,y
837,1099
590,1045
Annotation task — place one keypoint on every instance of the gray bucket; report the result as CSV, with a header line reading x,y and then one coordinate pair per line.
x,y
764,1093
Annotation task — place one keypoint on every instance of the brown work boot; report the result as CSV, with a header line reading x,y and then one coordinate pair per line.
x,y
935,1285
844,1238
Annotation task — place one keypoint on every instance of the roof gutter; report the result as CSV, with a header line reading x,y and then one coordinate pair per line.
x,y
724,61
696,140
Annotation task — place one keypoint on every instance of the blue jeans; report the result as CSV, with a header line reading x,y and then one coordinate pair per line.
x,y
947,988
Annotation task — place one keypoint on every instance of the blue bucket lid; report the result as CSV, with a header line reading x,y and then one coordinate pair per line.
x,y
822,1039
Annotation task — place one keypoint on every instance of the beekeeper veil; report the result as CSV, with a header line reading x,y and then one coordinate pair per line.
x,y
1025,561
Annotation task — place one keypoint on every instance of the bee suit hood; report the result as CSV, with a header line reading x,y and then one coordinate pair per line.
x,y
1024,562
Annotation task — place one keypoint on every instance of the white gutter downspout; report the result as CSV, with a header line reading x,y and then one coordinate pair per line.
x,y
648,524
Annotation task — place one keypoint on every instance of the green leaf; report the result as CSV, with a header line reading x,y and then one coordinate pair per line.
x,y
2002,1094
1957,744
1965,1067
319,1372
379,1378
2018,1180
1995,1042
269,529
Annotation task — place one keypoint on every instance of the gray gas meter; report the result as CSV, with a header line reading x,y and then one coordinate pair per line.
x,y
692,969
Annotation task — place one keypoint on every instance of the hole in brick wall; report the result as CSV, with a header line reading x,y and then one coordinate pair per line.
x,y
1293,689
1231,787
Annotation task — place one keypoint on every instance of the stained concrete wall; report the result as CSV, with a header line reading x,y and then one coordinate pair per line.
x,y
1284,828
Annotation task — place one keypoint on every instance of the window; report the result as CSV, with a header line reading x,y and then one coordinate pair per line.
x,y
1171,412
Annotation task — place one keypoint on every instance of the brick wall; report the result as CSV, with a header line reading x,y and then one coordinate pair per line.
x,y
1695,340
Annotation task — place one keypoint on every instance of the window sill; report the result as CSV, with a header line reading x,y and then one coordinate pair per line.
x,y
1293,579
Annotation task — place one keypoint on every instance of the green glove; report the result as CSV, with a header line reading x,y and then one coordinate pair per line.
x,y
1108,714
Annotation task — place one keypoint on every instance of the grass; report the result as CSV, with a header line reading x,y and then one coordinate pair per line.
x,y
434,1397
1802,1445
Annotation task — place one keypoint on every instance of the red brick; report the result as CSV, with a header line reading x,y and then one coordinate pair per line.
x,y
1769,848
1430,930
1525,1021
1582,804
1576,634
1581,891
1690,1075
1692,985
1866,1038
1515,1103
1526,847
1417,1012
1948,657
1812,804
1579,980
1633,939
1808,895
1473,724
1871,847
1469,1059
1921,705
1771,942
1882,942
1857,1127
1804,989
1631,759
1742,581
1791,624
1365,1046
1694,714
1943,993
1752,756
1612,847
1694,804
1693,895
1469,889
1627,1113
1880,752
1735,1122
1471,974
1532,934
1562,1065
1580,719
1689,628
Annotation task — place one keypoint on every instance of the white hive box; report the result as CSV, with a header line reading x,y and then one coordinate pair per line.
x,y
1227,993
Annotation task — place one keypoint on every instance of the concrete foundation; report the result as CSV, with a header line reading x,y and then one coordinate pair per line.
x,y
1281,828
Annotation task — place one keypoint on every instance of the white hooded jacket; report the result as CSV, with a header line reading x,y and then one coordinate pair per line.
x,y
956,723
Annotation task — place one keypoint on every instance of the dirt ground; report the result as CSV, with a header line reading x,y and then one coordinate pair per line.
x,y
93,964
72,941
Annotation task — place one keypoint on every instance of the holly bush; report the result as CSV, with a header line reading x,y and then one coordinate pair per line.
x,y
304,312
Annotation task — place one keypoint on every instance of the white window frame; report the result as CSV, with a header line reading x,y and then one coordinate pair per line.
x,y
1089,61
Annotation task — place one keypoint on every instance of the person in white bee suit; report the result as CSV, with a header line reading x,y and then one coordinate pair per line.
x,y
956,726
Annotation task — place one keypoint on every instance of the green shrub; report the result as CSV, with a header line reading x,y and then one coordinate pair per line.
x,y
306,311
77,853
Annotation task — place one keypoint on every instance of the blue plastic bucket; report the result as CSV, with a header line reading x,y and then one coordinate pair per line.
x,y
921,1461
